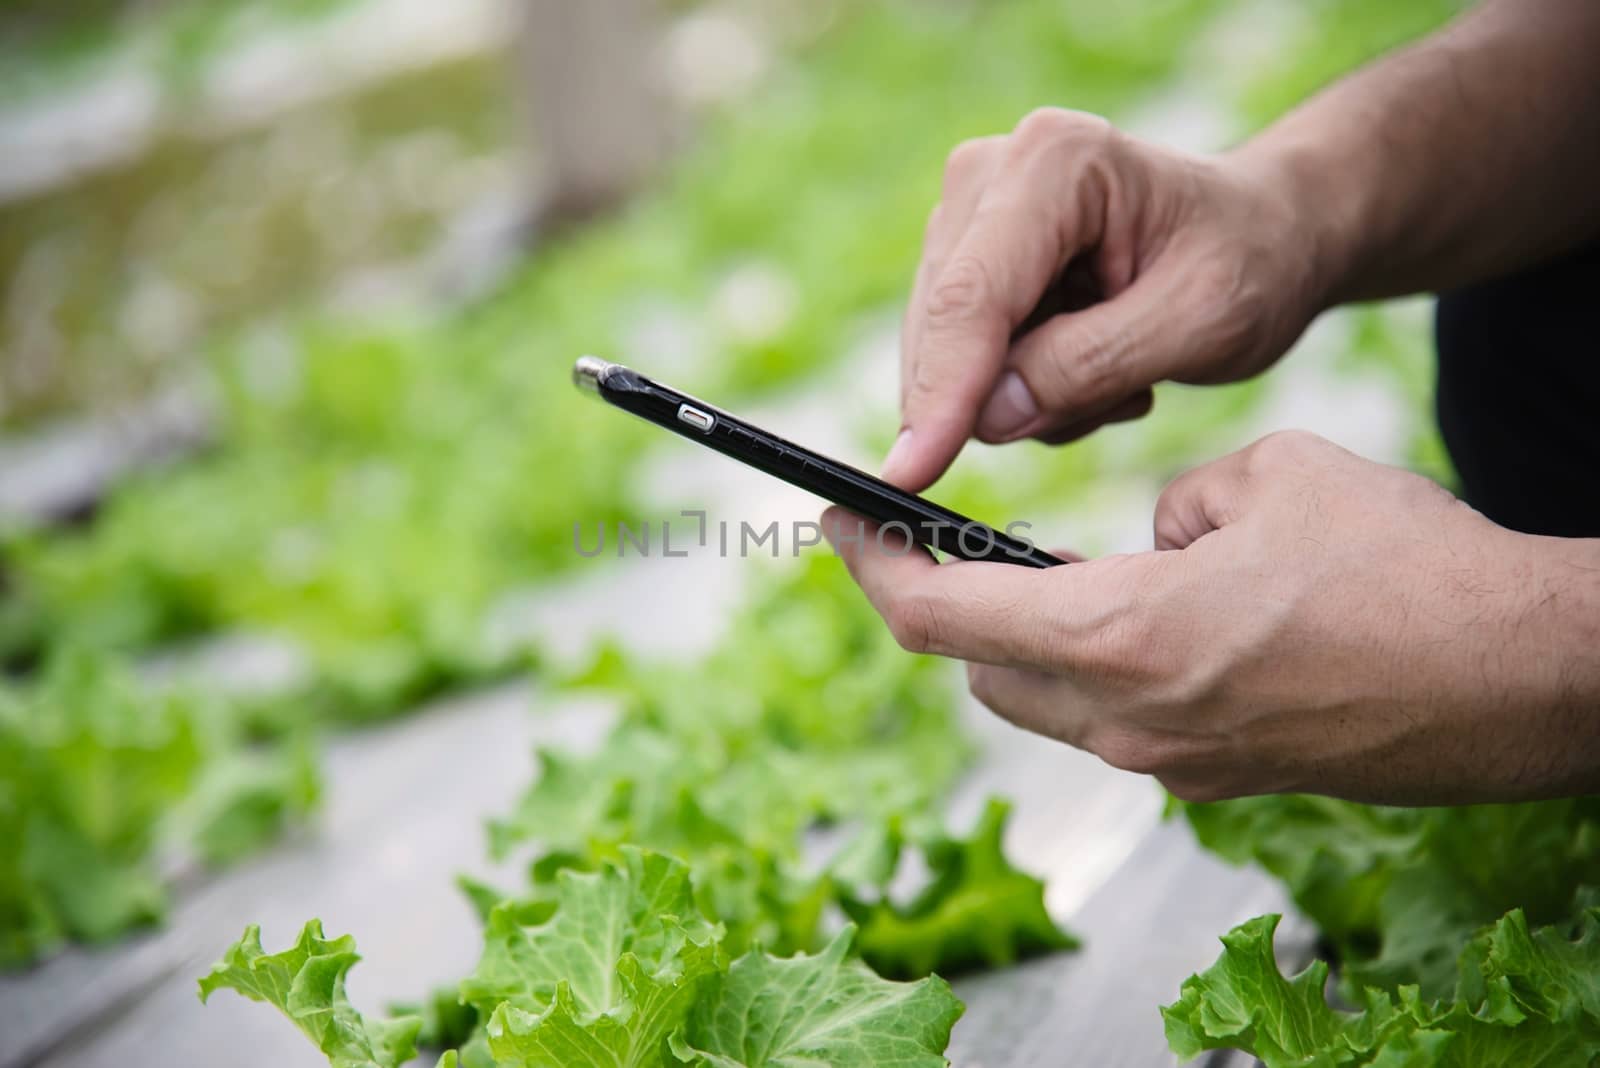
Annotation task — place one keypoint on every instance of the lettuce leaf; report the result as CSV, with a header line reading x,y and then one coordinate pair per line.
x,y
604,976
976,910
808,714
695,806
808,711
767,1012
306,983
1523,998
1400,891
98,777
666,1001
89,771
246,798
447,1021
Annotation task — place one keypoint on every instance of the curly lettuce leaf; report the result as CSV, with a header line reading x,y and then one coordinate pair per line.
x,y
642,1011
604,976
768,1012
809,714
1400,891
605,794
306,983
976,910
643,788
808,710
1471,866
1243,1002
1523,998
758,893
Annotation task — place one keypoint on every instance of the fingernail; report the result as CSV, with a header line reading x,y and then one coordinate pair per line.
x,y
897,453
1011,407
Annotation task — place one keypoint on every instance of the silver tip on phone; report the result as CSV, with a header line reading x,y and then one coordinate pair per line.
x,y
588,371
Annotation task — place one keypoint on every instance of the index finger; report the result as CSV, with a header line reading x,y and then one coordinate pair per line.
x,y
960,332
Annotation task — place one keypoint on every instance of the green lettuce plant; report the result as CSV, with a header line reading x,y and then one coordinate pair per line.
x,y
617,968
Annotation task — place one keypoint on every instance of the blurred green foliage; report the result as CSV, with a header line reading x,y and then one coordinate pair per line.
x,y
373,505
1327,38
48,44
112,278
98,778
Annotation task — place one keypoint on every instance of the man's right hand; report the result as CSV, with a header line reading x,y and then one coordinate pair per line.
x,y
1069,267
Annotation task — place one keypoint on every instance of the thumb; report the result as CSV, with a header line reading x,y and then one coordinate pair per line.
x,y
1200,501
1080,366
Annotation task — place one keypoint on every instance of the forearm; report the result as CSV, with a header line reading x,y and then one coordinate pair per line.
x,y
1467,155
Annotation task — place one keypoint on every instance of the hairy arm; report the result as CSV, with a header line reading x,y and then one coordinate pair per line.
x,y
1471,153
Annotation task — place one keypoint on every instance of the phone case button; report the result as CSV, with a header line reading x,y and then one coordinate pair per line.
x,y
701,421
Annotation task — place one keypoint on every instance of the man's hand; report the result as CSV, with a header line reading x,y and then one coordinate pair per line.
x,y
1469,154
1315,622
1069,267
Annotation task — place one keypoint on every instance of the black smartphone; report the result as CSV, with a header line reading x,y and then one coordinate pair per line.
x,y
926,523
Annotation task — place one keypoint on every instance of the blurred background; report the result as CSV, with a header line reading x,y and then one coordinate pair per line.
x,y
289,292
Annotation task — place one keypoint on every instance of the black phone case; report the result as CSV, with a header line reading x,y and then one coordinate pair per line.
x,y
926,522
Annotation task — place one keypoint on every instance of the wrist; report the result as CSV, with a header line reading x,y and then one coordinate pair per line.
x,y
1320,197
1548,640
1562,594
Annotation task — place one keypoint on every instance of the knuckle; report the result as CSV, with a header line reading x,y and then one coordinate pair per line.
x,y
1306,443
1285,447
925,380
1175,492
961,292
1260,457
1295,441
1055,126
967,161
1169,521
